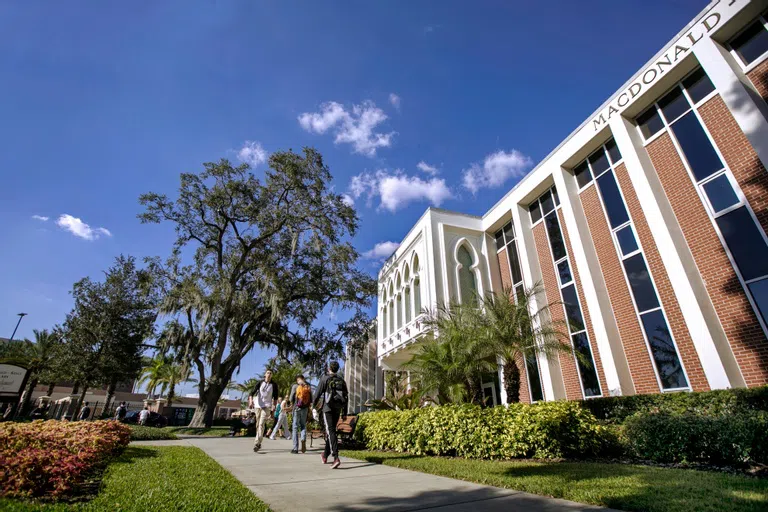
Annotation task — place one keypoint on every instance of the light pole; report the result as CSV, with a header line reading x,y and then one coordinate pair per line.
x,y
20,315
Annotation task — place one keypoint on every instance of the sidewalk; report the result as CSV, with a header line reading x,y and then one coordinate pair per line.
x,y
288,482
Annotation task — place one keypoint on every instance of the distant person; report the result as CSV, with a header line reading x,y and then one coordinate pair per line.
x,y
85,412
264,400
144,415
282,420
121,411
301,399
332,391
276,415
8,411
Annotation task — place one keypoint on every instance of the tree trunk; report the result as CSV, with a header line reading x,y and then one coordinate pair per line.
x,y
51,387
206,407
171,393
26,397
512,382
110,396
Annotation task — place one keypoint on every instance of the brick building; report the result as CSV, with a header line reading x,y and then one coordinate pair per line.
x,y
648,223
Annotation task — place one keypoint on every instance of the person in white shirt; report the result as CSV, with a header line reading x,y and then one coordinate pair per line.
x,y
263,399
282,421
144,416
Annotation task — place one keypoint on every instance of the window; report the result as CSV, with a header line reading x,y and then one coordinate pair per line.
x,y
467,284
614,204
597,163
720,193
696,146
534,378
583,177
751,44
555,236
650,123
698,85
416,287
627,241
408,304
535,212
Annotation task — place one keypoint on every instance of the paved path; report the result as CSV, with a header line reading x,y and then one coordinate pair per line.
x,y
290,482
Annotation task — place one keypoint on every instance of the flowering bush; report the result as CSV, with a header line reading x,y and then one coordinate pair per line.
x,y
51,458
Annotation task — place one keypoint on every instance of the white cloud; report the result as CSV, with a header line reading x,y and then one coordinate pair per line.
x,y
41,218
394,99
348,200
429,169
79,228
495,170
381,250
397,189
252,153
355,127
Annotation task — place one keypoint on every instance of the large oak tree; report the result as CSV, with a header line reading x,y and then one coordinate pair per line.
x,y
255,262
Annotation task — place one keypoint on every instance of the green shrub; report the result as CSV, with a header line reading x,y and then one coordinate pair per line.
x,y
689,437
143,433
725,401
544,430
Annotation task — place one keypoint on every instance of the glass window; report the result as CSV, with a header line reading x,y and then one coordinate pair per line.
x,y
674,104
514,263
752,43
564,270
650,122
614,204
613,151
572,308
599,162
555,236
509,232
586,367
537,393
467,285
698,85
640,282
417,297
555,196
499,239
535,212
547,204
759,291
745,242
582,174
720,193
408,305
663,350
696,146
627,241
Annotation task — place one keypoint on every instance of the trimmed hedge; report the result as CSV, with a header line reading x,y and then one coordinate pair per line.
x,y
689,437
144,433
543,430
616,409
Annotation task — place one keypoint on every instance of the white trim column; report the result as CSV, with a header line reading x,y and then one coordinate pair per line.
x,y
712,347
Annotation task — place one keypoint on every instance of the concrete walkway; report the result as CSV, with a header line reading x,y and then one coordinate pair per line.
x,y
288,482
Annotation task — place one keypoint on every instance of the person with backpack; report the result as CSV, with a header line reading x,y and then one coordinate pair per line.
x,y
264,399
85,412
332,390
301,398
121,411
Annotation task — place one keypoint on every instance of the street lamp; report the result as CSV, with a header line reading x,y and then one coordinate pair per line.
x,y
20,315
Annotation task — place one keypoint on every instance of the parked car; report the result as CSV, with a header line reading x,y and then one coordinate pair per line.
x,y
154,420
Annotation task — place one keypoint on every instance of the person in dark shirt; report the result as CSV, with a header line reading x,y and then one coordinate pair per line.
x,y
332,392
85,412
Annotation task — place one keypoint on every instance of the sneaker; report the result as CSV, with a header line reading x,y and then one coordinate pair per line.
x,y
294,451
256,447
303,446
325,459
336,463
271,438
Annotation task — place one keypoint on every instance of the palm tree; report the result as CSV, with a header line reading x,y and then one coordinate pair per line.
x,y
508,330
173,374
152,374
39,357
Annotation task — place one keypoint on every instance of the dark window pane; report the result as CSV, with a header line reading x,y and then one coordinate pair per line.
x,y
720,193
535,212
663,350
532,367
509,232
555,197
674,104
759,291
499,239
555,236
586,365
627,241
640,282
613,151
698,85
745,242
547,205
599,162
572,308
564,270
650,122
582,174
514,263
520,292
751,43
696,146
614,204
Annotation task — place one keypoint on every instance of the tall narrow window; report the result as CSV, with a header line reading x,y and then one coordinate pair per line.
x,y
416,287
752,42
407,295
661,345
399,302
548,205
467,284
742,236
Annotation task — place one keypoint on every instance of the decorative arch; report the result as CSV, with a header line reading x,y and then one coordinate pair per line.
x,y
469,284
407,303
416,287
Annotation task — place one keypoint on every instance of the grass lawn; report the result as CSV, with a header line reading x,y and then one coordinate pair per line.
x,y
161,478
142,433
209,432
625,487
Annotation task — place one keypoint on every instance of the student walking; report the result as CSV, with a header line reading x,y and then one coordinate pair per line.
x,y
85,412
144,416
264,400
332,390
282,420
121,411
301,399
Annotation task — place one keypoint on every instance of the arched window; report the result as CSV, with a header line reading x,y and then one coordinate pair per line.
x,y
467,284
391,312
384,332
416,287
399,303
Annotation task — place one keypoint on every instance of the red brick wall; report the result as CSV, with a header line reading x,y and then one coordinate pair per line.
x,y
733,309
688,354
759,77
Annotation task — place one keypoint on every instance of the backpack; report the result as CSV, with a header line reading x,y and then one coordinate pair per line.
x,y
334,391
303,396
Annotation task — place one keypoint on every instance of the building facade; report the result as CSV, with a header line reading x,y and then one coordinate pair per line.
x,y
364,377
647,226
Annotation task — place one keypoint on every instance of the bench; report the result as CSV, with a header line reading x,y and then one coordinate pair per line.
x,y
345,429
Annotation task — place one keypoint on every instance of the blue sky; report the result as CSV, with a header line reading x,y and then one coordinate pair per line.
x,y
103,101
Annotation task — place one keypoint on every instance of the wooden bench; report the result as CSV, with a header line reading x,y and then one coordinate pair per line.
x,y
345,429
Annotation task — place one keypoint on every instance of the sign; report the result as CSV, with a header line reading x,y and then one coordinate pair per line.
x,y
11,379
